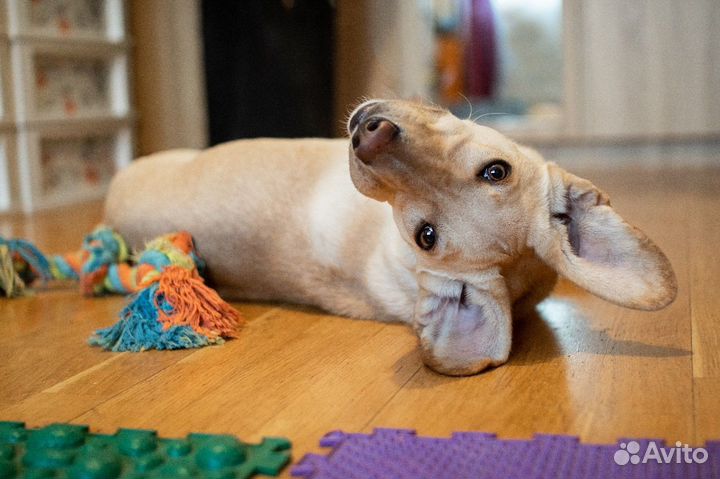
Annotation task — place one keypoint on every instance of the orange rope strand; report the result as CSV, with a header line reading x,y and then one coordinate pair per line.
x,y
196,305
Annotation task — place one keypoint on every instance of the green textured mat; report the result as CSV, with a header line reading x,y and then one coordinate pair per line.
x,y
70,451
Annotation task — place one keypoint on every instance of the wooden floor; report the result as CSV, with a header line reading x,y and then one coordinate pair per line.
x,y
582,367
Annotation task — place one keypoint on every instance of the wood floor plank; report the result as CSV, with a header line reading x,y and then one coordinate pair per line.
x,y
705,271
705,304
52,346
706,392
367,378
53,389
242,385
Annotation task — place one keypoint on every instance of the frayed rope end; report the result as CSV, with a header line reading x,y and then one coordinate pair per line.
x,y
194,304
142,327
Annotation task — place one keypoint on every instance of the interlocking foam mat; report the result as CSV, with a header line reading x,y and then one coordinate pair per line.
x,y
70,451
396,453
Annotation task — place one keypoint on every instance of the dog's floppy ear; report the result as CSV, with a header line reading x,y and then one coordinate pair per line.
x,y
585,240
462,328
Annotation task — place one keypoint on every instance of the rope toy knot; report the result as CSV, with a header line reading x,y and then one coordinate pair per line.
x,y
170,305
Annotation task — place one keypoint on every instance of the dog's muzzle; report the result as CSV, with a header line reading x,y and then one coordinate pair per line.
x,y
371,133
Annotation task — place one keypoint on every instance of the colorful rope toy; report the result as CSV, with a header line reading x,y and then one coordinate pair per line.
x,y
170,307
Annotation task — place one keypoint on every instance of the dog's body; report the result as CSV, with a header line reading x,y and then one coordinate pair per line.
x,y
274,220
288,220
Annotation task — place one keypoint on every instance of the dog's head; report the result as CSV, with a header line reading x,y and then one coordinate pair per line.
x,y
470,202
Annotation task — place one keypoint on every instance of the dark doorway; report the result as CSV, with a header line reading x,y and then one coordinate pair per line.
x,y
269,68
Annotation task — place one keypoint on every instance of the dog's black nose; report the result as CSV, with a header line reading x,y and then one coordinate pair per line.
x,y
372,136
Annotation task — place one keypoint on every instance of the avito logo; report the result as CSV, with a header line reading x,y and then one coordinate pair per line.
x,y
630,453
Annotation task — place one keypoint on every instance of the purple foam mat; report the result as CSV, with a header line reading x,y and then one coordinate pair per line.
x,y
400,453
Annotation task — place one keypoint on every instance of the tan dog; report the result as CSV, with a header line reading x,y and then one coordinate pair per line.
x,y
468,227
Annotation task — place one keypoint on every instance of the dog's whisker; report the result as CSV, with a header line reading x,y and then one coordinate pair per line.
x,y
488,114
467,100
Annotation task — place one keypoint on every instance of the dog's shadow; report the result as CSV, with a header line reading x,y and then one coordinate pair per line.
x,y
557,328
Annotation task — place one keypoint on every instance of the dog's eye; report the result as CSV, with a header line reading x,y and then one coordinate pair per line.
x,y
425,237
496,171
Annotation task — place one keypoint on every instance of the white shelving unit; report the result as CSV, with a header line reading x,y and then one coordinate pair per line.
x,y
65,119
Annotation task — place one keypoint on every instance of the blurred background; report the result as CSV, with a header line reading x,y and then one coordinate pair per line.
x,y
87,85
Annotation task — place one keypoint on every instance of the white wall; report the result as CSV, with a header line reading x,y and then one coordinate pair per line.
x,y
642,68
